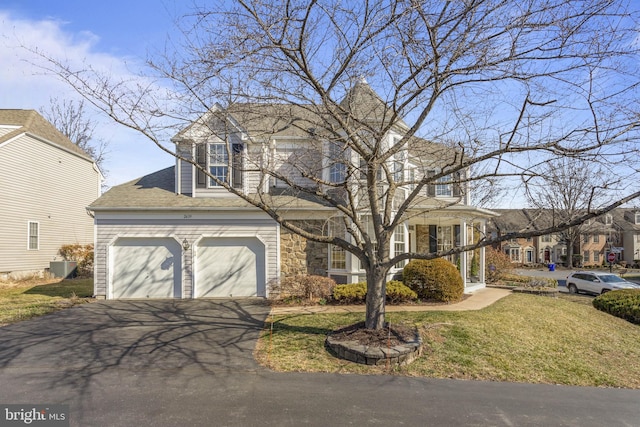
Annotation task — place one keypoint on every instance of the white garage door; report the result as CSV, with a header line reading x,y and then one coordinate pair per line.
x,y
230,267
146,268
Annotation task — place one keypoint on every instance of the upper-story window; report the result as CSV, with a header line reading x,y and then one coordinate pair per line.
x,y
546,238
222,163
337,164
608,219
444,187
218,163
637,218
398,166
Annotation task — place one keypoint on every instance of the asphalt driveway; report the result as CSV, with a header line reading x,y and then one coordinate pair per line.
x,y
206,335
178,363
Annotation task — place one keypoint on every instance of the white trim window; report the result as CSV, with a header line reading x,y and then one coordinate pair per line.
x,y
444,187
399,244
218,163
585,256
337,254
33,235
637,218
608,219
596,256
337,164
596,238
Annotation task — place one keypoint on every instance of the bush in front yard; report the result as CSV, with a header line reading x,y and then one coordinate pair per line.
x,y
624,303
82,254
303,287
497,264
399,293
435,279
352,293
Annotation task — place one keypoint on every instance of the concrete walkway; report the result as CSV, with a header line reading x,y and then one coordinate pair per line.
x,y
474,301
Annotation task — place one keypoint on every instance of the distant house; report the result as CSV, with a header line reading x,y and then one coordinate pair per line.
x,y
597,237
627,224
46,183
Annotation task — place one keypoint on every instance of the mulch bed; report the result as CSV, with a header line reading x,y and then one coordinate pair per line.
x,y
400,334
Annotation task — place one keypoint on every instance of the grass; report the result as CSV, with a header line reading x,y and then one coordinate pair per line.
x,y
24,300
521,338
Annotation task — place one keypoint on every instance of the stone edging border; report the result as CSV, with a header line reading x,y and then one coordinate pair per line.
x,y
401,354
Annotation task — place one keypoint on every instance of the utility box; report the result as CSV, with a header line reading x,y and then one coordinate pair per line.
x,y
64,269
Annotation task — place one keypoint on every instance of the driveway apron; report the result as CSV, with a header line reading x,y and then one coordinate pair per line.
x,y
207,335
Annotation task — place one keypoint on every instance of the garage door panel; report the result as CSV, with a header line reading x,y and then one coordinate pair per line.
x,y
146,268
229,267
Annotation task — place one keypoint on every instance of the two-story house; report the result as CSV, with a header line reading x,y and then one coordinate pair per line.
x,y
46,183
177,233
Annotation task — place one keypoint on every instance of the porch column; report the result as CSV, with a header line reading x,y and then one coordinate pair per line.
x,y
463,255
483,233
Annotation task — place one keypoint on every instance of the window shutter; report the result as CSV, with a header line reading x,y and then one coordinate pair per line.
x,y
431,188
433,238
201,159
457,186
236,165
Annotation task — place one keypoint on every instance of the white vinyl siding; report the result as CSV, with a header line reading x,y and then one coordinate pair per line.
x,y
44,184
110,227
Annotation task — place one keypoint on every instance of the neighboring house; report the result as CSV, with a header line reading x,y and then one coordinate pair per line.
x,y
627,223
46,183
176,234
591,249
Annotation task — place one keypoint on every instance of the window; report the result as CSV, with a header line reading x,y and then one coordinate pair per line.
x,y
514,254
444,187
399,244
338,167
218,163
596,238
337,255
638,238
596,256
608,219
33,237
546,238
444,238
398,167
585,256
637,218
585,238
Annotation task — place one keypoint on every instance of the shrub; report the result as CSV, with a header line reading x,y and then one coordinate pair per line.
x,y
356,293
435,279
303,287
353,293
399,293
530,282
497,264
82,254
624,303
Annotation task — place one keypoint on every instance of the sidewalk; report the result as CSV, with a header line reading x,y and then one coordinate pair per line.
x,y
475,301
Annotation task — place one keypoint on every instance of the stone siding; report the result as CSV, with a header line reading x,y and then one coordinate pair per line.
x,y
301,256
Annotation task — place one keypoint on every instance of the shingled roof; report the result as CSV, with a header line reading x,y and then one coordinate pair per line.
x,y
156,191
31,122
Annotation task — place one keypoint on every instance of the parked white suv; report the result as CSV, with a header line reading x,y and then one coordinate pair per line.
x,y
596,282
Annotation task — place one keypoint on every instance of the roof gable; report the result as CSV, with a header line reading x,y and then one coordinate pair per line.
x,y
32,123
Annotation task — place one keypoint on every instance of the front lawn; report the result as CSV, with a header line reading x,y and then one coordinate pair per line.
x,y
521,338
24,300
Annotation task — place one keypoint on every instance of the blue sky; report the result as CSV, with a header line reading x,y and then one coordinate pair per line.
x,y
100,32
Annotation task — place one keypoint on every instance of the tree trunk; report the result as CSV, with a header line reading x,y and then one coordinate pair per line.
x,y
569,253
376,292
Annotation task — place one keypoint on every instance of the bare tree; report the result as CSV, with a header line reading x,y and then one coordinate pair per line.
x,y
565,189
492,86
70,118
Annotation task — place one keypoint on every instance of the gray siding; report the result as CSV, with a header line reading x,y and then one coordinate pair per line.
x,y
109,228
40,182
